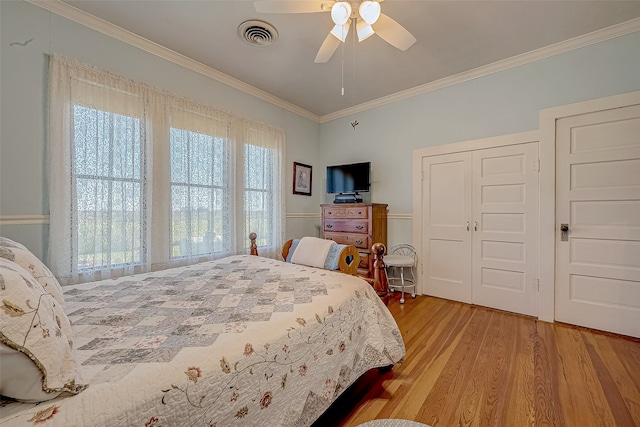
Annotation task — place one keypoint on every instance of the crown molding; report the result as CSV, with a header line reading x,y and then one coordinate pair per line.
x,y
23,219
70,12
594,37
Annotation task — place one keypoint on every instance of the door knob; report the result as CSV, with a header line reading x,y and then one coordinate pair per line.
x,y
564,232
564,227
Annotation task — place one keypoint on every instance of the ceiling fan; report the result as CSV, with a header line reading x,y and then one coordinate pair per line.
x,y
365,15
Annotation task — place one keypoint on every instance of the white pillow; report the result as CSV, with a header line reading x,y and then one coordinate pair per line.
x,y
20,378
18,253
312,251
33,323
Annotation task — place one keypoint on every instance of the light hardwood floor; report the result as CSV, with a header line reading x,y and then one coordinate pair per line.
x,y
473,366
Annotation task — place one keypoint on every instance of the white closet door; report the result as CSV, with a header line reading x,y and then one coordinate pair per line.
x,y
598,197
505,228
446,220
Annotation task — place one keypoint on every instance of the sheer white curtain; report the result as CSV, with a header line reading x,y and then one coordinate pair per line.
x,y
141,179
263,177
98,174
201,175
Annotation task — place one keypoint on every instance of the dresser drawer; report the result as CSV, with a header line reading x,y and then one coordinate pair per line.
x,y
332,212
349,225
355,239
357,224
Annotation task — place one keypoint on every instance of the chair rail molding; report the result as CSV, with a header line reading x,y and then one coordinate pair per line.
x,y
23,219
399,216
317,215
301,215
44,219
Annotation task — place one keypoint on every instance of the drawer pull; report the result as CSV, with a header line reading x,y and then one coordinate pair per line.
x,y
359,242
329,226
359,227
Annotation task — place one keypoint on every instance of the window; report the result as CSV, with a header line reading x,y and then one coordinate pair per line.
x,y
259,194
109,184
143,179
199,194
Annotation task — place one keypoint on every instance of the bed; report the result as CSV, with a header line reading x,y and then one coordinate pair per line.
x,y
243,340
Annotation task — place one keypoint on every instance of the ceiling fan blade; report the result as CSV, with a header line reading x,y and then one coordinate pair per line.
x,y
393,33
299,6
327,49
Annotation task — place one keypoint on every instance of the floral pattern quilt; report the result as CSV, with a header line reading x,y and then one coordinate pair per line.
x,y
235,342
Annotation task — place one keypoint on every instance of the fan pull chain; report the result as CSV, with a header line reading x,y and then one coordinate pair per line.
x,y
342,64
353,70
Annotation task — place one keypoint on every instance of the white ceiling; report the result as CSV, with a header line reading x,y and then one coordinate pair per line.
x,y
453,37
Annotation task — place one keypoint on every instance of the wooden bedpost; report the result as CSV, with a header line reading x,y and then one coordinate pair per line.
x,y
254,247
286,248
380,283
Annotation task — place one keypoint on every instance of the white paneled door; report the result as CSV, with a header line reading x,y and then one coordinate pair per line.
x,y
446,237
505,228
598,202
479,226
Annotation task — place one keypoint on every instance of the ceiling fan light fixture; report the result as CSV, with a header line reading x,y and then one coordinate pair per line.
x,y
341,31
364,30
341,12
369,11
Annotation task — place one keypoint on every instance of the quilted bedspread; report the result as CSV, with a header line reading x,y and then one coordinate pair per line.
x,y
241,341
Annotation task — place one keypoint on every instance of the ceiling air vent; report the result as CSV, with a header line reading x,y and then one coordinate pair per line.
x,y
258,33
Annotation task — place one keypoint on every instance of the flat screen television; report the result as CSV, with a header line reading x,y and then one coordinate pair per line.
x,y
351,178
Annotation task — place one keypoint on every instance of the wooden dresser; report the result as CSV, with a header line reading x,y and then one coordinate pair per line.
x,y
357,224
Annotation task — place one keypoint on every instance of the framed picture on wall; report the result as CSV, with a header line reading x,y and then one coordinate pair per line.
x,y
301,179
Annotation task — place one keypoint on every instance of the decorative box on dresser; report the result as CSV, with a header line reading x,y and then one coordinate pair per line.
x,y
357,224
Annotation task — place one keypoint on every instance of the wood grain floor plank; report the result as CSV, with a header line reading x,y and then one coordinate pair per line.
x,y
547,364
474,366
623,397
428,362
434,363
619,409
581,383
443,403
478,389
628,352
519,408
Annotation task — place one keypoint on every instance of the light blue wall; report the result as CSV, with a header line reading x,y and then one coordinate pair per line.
x,y
23,111
502,103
